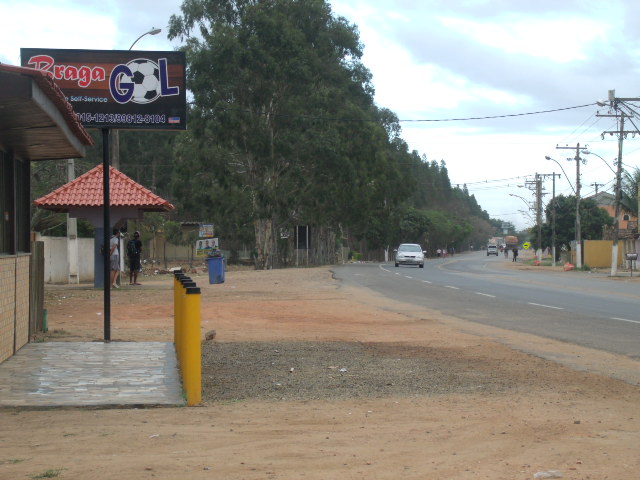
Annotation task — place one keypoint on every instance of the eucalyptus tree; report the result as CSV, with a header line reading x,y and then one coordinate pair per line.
x,y
281,99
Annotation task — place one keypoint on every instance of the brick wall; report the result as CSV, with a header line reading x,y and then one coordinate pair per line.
x,y
14,304
22,301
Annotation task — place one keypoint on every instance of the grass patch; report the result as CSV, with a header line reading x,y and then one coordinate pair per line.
x,y
51,473
12,461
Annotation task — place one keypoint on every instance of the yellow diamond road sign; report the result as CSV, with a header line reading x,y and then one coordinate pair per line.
x,y
526,245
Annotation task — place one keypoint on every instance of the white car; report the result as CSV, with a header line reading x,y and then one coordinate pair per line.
x,y
492,250
410,254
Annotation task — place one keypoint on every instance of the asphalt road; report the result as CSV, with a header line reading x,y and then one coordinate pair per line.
x,y
576,307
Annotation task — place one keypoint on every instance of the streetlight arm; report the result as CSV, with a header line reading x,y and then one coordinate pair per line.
x,y
521,198
587,152
153,31
565,173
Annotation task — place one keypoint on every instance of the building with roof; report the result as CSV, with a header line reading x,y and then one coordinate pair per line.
x,y
36,124
627,221
83,198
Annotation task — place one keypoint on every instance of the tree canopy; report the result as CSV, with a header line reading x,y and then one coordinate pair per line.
x,y
283,131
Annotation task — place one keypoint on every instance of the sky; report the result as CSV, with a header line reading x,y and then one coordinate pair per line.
x,y
433,61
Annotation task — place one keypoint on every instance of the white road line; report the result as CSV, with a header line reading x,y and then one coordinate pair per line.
x,y
625,320
407,276
485,294
545,306
426,281
452,287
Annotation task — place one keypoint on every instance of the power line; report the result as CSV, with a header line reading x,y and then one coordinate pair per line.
x,y
409,120
490,117
490,181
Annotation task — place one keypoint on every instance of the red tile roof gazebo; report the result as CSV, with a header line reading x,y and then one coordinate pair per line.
x,y
84,198
86,192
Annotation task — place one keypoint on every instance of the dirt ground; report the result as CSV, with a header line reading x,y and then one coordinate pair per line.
x,y
309,379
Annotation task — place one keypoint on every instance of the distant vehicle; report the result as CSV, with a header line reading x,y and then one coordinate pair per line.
x,y
492,250
511,242
410,254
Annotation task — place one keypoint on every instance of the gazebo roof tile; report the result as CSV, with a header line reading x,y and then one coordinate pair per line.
x,y
87,191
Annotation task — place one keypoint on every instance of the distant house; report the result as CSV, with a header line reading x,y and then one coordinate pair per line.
x,y
36,124
628,222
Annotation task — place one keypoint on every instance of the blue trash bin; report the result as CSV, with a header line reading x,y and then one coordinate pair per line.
x,y
216,269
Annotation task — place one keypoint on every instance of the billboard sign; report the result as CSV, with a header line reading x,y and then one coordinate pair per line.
x,y
120,89
205,248
206,231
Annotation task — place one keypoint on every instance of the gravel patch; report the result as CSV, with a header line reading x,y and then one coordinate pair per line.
x,y
339,370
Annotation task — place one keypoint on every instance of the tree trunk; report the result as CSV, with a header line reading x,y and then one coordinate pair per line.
x,y
264,243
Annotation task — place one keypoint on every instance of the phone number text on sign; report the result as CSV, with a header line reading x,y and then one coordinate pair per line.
x,y
128,118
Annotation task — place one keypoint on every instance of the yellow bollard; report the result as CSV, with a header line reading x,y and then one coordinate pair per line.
x,y
192,343
177,287
185,283
177,324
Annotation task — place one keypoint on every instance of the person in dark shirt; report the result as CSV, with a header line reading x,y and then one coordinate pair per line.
x,y
134,249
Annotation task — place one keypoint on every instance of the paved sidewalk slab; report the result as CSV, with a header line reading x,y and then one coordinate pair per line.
x,y
91,374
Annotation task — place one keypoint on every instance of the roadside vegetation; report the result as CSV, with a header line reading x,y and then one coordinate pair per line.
x,y
283,131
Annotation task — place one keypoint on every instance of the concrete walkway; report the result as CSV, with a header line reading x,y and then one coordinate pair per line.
x,y
91,374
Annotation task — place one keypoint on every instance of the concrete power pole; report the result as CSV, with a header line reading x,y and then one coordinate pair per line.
x,y
553,221
621,133
553,213
578,231
616,220
539,215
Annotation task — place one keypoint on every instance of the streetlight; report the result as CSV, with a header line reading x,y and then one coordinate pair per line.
x,y
115,137
153,31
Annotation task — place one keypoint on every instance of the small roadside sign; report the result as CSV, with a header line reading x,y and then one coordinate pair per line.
x,y
526,245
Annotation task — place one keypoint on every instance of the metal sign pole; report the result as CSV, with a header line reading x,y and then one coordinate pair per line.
x,y
106,234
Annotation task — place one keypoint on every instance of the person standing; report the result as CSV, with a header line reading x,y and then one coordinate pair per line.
x,y
114,256
515,254
134,249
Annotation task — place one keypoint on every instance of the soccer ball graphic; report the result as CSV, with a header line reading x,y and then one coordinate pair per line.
x,y
146,80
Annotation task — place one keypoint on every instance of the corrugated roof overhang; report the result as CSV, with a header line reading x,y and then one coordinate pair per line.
x,y
36,121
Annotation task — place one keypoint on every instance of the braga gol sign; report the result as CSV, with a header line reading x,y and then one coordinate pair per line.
x,y
120,89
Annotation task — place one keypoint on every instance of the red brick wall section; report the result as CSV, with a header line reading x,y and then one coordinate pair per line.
x,y
22,301
7,305
14,304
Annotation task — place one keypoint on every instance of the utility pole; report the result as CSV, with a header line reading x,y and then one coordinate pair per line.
x,y
616,220
596,185
536,187
539,215
578,232
615,102
553,214
553,221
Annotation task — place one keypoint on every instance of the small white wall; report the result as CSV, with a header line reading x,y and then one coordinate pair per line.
x,y
56,263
